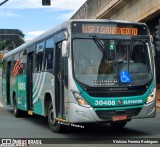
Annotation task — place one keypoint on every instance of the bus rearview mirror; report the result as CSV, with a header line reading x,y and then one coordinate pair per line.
x,y
64,49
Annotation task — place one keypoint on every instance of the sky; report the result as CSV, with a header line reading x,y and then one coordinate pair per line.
x,y
32,18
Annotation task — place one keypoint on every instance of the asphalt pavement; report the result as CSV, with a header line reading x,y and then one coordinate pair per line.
x,y
37,127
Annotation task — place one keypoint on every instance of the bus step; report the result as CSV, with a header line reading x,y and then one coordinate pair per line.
x,y
60,119
30,112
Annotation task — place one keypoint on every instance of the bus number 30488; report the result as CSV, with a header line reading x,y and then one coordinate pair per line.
x,y
105,102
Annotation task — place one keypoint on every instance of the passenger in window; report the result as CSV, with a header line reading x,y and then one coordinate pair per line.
x,y
49,61
123,57
105,67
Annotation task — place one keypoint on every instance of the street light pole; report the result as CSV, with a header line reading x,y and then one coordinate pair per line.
x,y
3,2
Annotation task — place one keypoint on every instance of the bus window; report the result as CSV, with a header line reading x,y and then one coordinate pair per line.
x,y
49,51
15,69
23,62
4,68
39,56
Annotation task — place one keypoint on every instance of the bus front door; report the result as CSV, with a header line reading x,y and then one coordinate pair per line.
x,y
30,81
8,82
59,86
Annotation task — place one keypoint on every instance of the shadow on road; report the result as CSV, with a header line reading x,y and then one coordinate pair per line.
x,y
98,131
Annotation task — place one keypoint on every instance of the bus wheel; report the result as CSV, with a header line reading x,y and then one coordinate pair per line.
x,y
54,125
15,109
118,124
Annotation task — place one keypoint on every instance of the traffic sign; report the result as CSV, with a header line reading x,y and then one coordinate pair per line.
x,y
46,2
124,77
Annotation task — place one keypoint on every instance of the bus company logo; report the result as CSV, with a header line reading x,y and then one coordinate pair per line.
x,y
120,102
19,142
21,86
118,89
14,142
6,142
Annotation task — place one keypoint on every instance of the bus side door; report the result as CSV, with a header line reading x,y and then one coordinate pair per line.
x,y
60,68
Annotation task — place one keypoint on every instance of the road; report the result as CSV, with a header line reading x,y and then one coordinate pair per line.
x,y
37,127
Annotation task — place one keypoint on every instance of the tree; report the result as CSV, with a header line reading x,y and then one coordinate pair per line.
x,y
11,41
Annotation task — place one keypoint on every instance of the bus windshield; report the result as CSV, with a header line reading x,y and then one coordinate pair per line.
x,y
112,62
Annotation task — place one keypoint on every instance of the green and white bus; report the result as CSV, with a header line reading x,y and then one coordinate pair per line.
x,y
84,71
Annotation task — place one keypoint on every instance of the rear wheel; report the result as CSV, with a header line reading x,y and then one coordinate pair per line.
x,y
54,125
118,124
16,111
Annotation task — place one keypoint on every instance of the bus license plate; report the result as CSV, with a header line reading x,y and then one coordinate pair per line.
x,y
119,117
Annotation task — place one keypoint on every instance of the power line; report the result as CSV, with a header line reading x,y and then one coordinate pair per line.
x,y
3,2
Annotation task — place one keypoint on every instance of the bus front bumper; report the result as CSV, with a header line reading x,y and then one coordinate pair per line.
x,y
79,114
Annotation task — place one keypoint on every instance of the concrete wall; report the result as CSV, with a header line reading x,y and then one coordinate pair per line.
x,y
91,8
130,10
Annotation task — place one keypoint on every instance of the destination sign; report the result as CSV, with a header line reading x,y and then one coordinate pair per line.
x,y
102,29
109,28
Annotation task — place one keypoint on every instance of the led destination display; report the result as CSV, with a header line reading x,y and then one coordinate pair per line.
x,y
100,29
109,28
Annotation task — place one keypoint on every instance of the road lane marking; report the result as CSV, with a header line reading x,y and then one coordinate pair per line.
x,y
1,105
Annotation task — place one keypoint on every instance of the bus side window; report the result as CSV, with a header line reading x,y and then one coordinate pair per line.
x,y
16,63
4,68
39,56
23,62
49,54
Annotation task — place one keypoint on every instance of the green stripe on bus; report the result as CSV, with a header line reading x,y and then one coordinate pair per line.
x,y
113,101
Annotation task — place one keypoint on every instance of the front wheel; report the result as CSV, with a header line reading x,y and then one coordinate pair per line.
x,y
54,125
16,111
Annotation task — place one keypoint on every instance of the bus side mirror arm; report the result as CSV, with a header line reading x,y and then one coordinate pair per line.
x,y
65,54
153,50
152,45
64,49
65,72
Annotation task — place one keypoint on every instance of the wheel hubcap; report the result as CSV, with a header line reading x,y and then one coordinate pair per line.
x,y
51,117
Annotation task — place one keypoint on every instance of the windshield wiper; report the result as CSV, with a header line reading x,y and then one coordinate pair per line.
x,y
101,47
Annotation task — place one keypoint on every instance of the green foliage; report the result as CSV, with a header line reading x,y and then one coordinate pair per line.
x,y
11,44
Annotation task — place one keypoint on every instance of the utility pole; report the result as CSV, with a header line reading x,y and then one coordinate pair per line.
x,y
3,2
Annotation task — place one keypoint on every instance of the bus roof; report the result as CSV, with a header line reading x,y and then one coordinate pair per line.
x,y
60,27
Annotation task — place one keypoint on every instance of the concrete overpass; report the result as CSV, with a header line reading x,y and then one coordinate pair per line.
x,y
147,11
132,10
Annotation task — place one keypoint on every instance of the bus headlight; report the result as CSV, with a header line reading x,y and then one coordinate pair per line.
x,y
80,100
151,96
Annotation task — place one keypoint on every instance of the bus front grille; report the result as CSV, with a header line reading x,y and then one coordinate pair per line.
x,y
116,93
